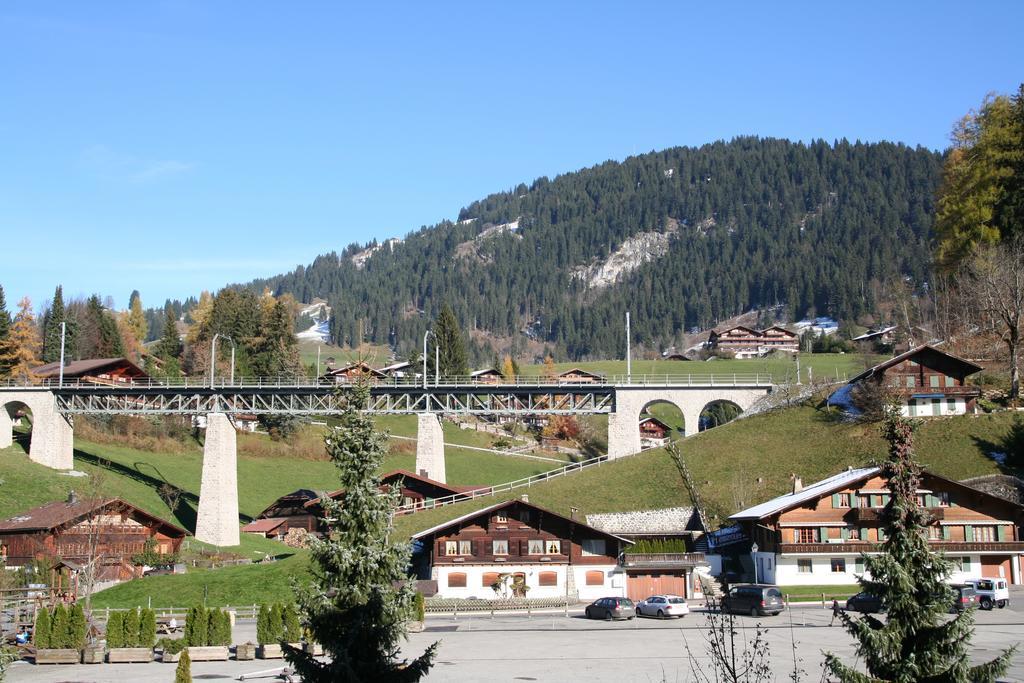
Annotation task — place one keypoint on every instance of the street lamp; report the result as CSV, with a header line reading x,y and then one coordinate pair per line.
x,y
213,357
753,557
437,358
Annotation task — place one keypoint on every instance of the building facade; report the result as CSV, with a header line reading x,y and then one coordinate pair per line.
x,y
745,342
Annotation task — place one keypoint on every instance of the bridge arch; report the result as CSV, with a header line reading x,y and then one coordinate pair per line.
x,y
51,441
665,412
718,412
15,414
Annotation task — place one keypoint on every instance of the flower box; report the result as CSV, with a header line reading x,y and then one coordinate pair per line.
x,y
245,652
128,655
170,657
208,653
94,654
61,655
269,651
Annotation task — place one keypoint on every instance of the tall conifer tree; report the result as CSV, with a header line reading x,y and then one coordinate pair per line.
x,y
448,337
51,327
5,331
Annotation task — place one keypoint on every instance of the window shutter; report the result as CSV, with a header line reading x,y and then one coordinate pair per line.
x,y
524,547
966,563
440,548
858,565
946,535
796,535
968,532
1000,532
823,534
863,533
930,501
844,533
835,500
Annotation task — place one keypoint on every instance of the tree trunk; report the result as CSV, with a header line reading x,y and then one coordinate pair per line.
x,y
1013,342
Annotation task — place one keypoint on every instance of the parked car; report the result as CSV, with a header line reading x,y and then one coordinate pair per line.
x,y
611,608
991,592
865,603
964,597
662,606
755,599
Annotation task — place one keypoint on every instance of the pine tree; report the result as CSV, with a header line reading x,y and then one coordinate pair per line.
x,y
292,628
448,337
137,317
42,631
264,635
916,642
77,627
183,674
361,598
276,622
21,353
147,628
59,633
169,347
115,630
5,332
196,626
131,628
51,327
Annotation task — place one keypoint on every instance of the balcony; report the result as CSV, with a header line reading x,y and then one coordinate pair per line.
x,y
874,515
863,547
663,560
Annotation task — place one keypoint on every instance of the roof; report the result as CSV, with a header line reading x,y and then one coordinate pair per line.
x,y
734,327
1002,485
580,371
485,371
779,327
61,513
642,522
968,365
362,366
504,504
388,477
396,366
84,367
874,333
262,526
806,494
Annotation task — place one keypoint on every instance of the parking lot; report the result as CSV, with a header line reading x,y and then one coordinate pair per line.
x,y
551,646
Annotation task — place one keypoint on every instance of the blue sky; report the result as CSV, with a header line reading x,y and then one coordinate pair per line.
x,y
177,146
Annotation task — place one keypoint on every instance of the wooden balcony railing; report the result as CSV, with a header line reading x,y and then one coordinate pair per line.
x,y
863,547
662,560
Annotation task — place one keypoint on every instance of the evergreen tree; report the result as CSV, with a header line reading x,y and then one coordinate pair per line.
x,y
60,636
115,630
361,598
77,626
448,337
5,332
264,633
51,327
21,352
131,628
169,348
292,628
147,628
41,632
915,642
276,622
183,673
196,626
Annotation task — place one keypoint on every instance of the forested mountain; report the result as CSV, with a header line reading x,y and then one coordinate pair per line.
x,y
683,237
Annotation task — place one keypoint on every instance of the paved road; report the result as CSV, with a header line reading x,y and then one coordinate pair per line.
x,y
553,647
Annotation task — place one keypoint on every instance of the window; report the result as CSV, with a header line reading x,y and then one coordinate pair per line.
x,y
465,547
838,565
593,546
934,533
950,381
933,381
553,548
524,516
943,497
535,547
804,566
457,580
922,500
909,379
985,534
951,405
843,500
501,518
499,547
547,579
805,535
451,547
595,578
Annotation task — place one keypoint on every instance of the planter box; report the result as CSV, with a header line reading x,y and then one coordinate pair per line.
x,y
245,652
93,654
416,626
315,649
209,653
128,655
169,657
58,656
271,651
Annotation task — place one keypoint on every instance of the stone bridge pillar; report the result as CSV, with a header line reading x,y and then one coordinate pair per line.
x,y
217,518
430,447
52,440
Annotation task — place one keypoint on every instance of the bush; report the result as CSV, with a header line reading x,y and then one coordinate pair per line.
x,y
276,623
419,608
42,630
171,646
263,634
673,545
131,628
147,628
115,630
292,628
183,674
59,635
76,627
196,626
219,628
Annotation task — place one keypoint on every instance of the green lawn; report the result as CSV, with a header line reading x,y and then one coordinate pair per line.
x,y
815,593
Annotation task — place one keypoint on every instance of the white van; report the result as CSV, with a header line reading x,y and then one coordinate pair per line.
x,y
991,592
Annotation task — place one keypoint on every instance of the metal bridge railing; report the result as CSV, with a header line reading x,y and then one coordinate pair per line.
x,y
456,382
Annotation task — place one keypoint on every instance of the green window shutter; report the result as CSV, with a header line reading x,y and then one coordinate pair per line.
x,y
946,535
968,532
863,533
1001,532
933,380
835,500
844,533
931,501
858,565
881,534
823,534
965,564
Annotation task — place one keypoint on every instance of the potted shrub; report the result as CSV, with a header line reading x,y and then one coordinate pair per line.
x,y
133,643
290,626
245,651
209,635
419,614
269,632
172,649
53,639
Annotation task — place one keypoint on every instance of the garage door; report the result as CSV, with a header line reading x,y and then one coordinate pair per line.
x,y
642,585
995,566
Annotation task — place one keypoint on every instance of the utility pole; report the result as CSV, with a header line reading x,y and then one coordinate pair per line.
x,y
317,360
63,331
629,354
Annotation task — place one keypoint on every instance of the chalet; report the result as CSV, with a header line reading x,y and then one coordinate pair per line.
x,y
353,373
286,513
744,342
94,371
651,573
926,381
514,548
816,535
578,376
78,531
653,432
400,370
487,376
884,336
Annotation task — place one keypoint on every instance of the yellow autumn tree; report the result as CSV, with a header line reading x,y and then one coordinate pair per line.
x,y
20,353
508,369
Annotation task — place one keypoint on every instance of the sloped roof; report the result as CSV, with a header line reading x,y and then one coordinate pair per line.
x,y
580,371
969,367
61,513
401,365
485,371
806,494
651,418
734,327
874,333
262,526
1004,486
642,522
361,366
388,477
84,367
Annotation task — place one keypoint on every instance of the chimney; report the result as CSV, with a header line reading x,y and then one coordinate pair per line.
x,y
798,484
572,513
72,497
525,498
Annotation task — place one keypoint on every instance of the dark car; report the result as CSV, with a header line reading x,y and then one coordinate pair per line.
x,y
865,603
964,597
755,599
611,608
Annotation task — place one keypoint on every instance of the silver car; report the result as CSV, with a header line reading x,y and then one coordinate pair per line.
x,y
662,606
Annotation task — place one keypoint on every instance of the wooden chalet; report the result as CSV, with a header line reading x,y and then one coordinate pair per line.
x,y
400,370
354,373
285,513
926,381
514,548
816,535
93,370
653,432
745,342
578,376
487,376
77,531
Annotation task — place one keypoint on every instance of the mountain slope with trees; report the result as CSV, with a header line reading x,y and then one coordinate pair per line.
x,y
730,226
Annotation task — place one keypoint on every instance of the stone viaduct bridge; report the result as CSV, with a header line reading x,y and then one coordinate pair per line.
x,y
54,406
